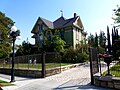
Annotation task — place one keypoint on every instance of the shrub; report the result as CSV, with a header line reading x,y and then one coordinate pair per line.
x,y
69,55
82,57
73,56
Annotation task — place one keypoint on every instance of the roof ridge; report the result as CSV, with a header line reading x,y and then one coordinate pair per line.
x,y
69,20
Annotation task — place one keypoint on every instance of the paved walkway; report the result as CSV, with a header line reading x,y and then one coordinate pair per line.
x,y
74,79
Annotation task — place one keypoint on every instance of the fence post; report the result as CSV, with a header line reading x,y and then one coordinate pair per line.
x,y
94,68
43,65
91,67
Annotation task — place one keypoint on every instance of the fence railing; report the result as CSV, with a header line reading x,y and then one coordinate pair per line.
x,y
52,60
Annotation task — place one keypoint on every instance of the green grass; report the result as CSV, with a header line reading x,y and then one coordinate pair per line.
x,y
34,66
115,70
4,83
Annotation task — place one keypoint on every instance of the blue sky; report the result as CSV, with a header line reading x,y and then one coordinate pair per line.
x,y
95,14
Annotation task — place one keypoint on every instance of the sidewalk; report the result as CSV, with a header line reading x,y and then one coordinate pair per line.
x,y
74,79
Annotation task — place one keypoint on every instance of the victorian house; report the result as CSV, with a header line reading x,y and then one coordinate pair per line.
x,y
71,30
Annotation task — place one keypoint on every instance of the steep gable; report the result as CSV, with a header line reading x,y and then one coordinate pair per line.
x,y
59,23
78,23
40,20
48,23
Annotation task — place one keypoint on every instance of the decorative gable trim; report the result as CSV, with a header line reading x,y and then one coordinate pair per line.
x,y
78,23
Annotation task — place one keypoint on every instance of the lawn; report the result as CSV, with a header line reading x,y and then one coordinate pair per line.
x,y
34,66
115,70
4,83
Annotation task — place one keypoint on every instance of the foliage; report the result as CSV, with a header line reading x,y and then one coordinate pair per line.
x,y
5,44
4,83
25,49
91,40
117,16
74,56
115,70
115,43
82,47
108,40
98,41
69,55
82,57
53,41
102,39
58,44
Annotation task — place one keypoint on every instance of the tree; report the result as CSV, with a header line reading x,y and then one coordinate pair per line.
x,y
91,40
25,49
117,16
82,47
52,41
5,42
55,44
115,43
108,41
115,36
96,40
101,39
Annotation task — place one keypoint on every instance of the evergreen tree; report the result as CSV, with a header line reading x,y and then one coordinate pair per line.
x,y
101,39
91,40
108,41
117,16
96,40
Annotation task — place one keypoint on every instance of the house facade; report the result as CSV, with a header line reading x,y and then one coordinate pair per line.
x,y
71,30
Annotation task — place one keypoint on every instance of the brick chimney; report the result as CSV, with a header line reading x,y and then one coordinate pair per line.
x,y
75,15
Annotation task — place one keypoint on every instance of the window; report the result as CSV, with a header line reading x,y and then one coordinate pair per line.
x,y
40,28
77,34
62,34
49,35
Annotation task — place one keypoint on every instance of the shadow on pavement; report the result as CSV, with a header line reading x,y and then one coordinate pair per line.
x,y
79,87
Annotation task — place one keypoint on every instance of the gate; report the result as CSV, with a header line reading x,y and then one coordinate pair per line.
x,y
94,67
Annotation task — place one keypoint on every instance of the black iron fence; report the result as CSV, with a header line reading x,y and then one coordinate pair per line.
x,y
52,60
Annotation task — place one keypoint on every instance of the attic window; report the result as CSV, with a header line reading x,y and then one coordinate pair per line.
x,y
40,28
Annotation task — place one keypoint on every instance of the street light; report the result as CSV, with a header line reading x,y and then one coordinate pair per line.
x,y
14,33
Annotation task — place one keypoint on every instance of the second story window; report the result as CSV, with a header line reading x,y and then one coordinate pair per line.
x,y
77,34
49,35
62,34
40,28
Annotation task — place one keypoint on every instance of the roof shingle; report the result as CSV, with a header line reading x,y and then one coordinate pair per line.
x,y
48,23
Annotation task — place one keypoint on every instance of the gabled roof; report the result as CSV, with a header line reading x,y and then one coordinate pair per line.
x,y
59,23
70,21
47,22
62,22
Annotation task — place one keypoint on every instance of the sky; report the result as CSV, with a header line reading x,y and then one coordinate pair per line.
x,y
95,14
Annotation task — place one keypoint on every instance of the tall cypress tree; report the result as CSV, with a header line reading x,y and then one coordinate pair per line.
x,y
96,40
108,41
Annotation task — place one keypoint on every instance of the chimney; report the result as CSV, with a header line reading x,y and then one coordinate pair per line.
x,y
75,15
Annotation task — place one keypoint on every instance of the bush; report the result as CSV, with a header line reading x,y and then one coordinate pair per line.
x,y
73,56
69,55
82,57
